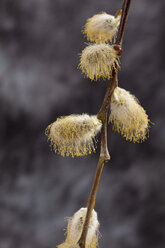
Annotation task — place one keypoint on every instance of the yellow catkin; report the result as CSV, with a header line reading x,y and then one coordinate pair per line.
x,y
101,27
74,135
98,60
75,227
68,245
128,117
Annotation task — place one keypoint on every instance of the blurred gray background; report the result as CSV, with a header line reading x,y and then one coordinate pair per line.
x,y
40,43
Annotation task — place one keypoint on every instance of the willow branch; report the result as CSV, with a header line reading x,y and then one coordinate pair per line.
x,y
124,16
107,98
102,115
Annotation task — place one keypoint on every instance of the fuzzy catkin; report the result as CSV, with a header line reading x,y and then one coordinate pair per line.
x,y
74,135
75,227
98,60
101,27
67,245
128,117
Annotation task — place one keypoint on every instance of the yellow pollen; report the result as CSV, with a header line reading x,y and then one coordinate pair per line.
x,y
98,60
101,27
128,117
74,135
75,227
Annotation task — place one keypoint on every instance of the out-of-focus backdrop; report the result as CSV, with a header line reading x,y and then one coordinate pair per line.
x,y
40,43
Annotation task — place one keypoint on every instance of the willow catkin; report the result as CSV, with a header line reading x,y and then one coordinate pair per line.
x,y
98,60
75,227
74,135
101,27
128,117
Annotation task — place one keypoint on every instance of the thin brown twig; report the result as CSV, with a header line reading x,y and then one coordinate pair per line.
x,y
91,201
104,156
102,115
124,16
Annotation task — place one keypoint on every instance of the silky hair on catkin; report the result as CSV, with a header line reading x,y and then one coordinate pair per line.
x,y
128,117
75,227
74,135
101,27
98,60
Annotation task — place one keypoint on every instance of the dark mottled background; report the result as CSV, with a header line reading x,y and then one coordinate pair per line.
x,y
39,45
